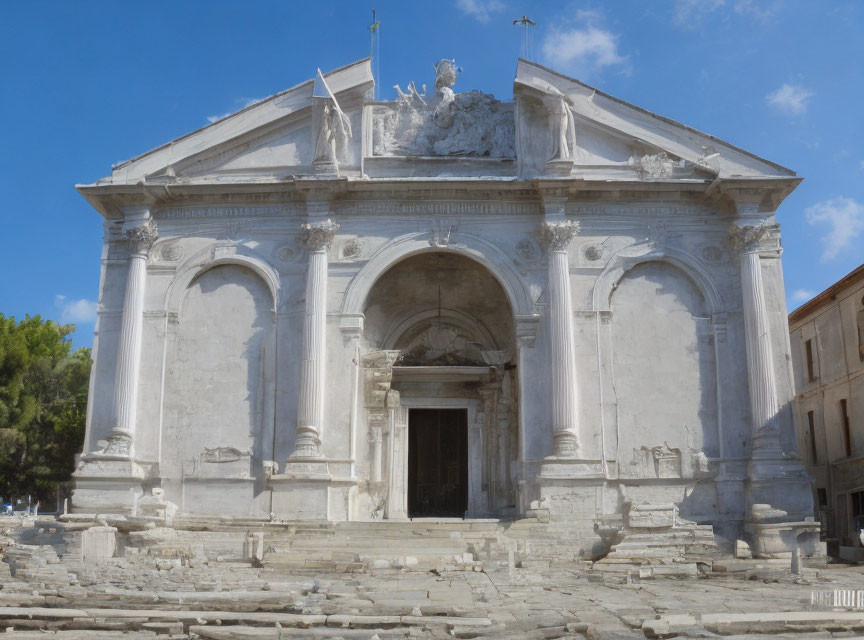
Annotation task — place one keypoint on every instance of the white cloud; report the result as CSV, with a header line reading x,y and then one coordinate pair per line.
x,y
581,50
81,311
802,295
482,10
693,13
861,165
790,98
690,13
243,102
843,220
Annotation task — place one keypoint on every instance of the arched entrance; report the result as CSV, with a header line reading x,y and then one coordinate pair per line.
x,y
441,396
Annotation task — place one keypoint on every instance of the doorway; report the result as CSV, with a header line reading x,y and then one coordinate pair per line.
x,y
437,463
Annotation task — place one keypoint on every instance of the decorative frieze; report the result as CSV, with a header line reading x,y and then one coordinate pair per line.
x,y
436,208
611,210
191,213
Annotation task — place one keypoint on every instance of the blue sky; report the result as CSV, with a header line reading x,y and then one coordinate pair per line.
x,y
87,84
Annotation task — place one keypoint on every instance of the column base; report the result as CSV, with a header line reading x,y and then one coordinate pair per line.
x,y
307,491
565,444
783,539
108,484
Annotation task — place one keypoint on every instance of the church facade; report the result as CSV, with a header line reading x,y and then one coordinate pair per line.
x,y
329,308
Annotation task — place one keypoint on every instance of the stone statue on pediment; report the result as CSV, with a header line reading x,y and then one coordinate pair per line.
x,y
562,127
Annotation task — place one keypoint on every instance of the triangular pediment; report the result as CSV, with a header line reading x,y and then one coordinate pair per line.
x,y
610,132
427,134
275,135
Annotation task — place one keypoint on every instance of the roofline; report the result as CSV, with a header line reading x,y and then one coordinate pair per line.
x,y
660,117
828,295
122,164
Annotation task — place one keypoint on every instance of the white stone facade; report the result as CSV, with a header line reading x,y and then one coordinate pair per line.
x,y
595,288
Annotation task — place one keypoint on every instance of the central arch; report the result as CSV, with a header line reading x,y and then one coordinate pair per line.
x,y
443,442
499,264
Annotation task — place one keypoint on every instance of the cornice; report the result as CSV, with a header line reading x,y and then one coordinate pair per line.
x,y
727,196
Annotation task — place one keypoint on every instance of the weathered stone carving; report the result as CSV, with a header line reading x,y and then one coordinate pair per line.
x,y
562,127
142,237
334,127
748,237
352,248
317,236
442,344
222,454
171,252
658,165
593,252
472,124
557,235
527,249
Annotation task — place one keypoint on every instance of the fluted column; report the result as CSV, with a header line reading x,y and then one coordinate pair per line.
x,y
310,407
565,408
140,232
760,368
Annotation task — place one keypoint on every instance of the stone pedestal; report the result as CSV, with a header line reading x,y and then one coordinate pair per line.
x,y
108,485
308,491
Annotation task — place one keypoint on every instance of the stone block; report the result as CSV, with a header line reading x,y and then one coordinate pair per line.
x,y
98,543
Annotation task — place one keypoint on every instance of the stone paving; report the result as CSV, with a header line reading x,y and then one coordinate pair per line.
x,y
47,591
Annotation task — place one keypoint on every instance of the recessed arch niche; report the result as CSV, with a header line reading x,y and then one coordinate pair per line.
x,y
665,372
218,385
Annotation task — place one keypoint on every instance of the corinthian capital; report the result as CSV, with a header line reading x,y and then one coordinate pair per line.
x,y
141,237
318,235
749,238
557,235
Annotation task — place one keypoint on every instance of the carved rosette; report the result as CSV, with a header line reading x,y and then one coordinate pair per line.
x,y
748,238
317,236
141,238
557,235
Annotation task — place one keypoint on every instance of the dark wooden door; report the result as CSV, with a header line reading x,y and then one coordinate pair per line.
x,y
437,462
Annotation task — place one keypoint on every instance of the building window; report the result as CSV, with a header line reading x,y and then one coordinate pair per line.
x,y
822,496
814,457
858,510
847,431
811,373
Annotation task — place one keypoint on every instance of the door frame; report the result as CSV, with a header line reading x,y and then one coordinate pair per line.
x,y
477,502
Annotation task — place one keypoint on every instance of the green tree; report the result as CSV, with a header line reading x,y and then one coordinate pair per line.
x,y
43,405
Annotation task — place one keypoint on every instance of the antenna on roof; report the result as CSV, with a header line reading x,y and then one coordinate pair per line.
x,y
375,53
527,25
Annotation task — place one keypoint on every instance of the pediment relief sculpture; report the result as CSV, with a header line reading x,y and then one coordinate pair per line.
x,y
471,124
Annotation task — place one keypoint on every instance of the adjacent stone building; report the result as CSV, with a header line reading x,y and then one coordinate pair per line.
x,y
324,307
828,354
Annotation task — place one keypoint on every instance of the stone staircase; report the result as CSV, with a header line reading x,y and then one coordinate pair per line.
x,y
421,544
